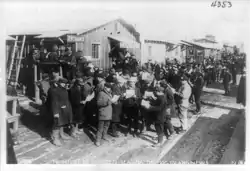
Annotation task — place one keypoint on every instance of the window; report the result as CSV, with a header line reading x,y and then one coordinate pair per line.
x,y
95,51
150,50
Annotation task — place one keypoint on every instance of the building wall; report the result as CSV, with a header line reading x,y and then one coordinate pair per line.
x,y
100,36
177,53
158,52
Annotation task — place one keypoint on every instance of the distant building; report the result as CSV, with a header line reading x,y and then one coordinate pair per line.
x,y
155,50
177,51
208,39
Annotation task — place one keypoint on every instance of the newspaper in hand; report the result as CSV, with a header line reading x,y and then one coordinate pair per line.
x,y
115,98
145,104
149,94
90,97
130,93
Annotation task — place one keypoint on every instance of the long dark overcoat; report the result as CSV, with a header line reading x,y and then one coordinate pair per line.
x,y
59,104
241,95
77,107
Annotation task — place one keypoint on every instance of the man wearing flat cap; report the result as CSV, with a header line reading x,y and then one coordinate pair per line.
x,y
68,64
77,103
61,110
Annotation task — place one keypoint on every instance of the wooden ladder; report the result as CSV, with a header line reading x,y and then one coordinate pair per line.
x,y
15,63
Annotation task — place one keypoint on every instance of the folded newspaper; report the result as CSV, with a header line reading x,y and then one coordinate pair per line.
x,y
148,94
130,93
145,103
115,98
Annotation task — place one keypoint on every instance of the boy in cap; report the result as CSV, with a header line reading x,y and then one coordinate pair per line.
x,y
104,105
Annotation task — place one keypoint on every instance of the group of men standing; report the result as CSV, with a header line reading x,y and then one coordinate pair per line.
x,y
133,96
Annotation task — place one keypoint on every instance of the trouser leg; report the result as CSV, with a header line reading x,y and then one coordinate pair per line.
x,y
182,114
114,129
197,100
99,131
168,127
105,129
159,127
55,136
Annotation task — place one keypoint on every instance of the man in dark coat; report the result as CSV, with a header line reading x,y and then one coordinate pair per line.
x,y
131,106
117,89
60,109
197,89
77,103
68,64
170,108
241,95
159,110
227,77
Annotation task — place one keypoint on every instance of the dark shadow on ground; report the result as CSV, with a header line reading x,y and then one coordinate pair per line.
x,y
205,141
38,123
220,86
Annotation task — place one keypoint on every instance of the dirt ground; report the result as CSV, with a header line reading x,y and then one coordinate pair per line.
x,y
205,141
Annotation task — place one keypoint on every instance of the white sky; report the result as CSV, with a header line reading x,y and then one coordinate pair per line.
x,y
172,20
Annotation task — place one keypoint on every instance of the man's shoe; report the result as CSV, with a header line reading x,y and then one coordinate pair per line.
x,y
97,144
56,142
105,139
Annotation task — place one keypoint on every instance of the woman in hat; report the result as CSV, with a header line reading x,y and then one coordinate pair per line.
x,y
104,105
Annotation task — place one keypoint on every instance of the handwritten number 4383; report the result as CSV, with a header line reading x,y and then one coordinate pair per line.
x,y
223,4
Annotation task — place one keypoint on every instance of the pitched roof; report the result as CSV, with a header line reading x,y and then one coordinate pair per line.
x,y
157,41
128,26
54,34
202,45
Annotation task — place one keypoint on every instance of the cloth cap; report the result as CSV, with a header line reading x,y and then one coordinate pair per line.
x,y
79,81
63,80
101,75
108,85
159,89
184,77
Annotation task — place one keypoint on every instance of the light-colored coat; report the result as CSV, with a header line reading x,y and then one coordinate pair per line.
x,y
186,91
104,105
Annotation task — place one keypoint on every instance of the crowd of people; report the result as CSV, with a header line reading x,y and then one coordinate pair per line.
x,y
130,95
